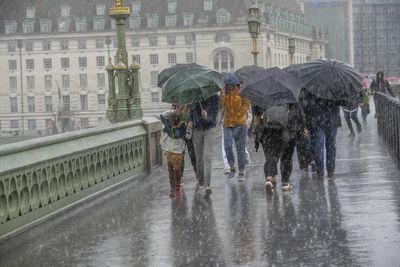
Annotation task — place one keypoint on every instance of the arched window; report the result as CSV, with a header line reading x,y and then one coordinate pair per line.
x,y
224,62
223,16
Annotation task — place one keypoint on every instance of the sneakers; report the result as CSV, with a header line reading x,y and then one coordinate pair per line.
x,y
178,192
241,176
286,187
359,130
232,173
227,170
207,192
269,187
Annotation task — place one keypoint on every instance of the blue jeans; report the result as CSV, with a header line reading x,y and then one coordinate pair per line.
x,y
237,134
321,138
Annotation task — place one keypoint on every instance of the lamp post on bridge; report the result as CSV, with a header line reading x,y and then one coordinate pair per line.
x,y
254,29
124,96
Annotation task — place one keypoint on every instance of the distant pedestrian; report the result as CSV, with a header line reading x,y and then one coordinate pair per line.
x,y
365,109
380,85
203,119
278,129
235,129
173,143
350,111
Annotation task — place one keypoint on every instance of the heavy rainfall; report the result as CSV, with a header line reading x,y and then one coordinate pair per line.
x,y
200,133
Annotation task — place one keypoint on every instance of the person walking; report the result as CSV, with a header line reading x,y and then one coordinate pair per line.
x,y
173,144
365,110
234,127
350,111
278,129
323,120
380,85
202,121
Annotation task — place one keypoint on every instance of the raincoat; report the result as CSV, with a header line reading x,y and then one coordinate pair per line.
x,y
235,108
173,139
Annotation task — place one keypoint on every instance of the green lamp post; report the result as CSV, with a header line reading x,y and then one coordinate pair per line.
x,y
254,28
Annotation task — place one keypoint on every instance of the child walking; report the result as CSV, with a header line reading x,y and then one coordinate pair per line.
x,y
173,143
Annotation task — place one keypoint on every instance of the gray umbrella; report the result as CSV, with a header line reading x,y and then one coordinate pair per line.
x,y
245,71
328,78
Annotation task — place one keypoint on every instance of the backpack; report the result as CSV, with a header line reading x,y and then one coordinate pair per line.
x,y
276,117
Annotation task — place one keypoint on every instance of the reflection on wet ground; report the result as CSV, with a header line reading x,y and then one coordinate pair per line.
x,y
351,220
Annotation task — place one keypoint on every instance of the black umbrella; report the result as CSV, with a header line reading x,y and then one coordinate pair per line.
x,y
269,91
328,78
169,72
245,71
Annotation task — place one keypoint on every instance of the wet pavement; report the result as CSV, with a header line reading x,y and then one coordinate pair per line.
x,y
350,220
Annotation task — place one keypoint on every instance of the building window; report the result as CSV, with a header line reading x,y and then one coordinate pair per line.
x,y
135,41
64,45
65,11
63,24
66,102
154,78
65,81
84,122
101,80
100,61
172,7
223,16
14,124
155,97
136,7
48,100
136,59
64,62
30,64
13,83
30,81
222,37
32,125
171,58
208,5
101,100
187,19
47,63
152,20
48,82
171,40
83,83
30,12
49,125
28,26
12,64
154,59
81,44
100,43
170,20
189,57
45,25
46,45
11,47
189,38
84,103
134,22
101,10
82,62
31,104
153,41
29,46
80,24
11,27
98,24
224,62
13,104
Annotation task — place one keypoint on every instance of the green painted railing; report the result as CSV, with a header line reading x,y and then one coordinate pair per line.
x,y
41,176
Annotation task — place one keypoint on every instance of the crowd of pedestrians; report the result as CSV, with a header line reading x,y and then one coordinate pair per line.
x,y
310,125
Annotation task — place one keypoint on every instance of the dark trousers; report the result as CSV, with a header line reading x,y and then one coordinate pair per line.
x,y
275,149
321,138
192,156
353,116
303,152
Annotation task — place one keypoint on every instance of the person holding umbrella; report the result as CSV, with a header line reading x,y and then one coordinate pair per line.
x,y
235,130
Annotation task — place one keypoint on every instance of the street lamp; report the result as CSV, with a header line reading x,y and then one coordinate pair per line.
x,y
254,28
108,42
19,45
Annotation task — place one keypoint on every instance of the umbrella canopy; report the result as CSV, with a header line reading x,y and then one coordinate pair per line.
x,y
327,78
191,85
268,91
169,72
243,72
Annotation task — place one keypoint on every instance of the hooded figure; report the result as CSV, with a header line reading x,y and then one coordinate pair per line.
x,y
381,85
